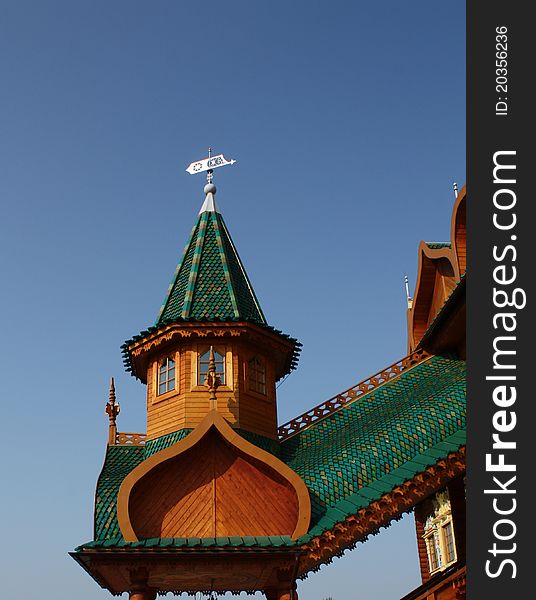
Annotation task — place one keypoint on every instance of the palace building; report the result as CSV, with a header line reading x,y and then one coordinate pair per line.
x,y
217,496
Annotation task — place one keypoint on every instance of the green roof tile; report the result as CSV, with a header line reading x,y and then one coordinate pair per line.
x,y
210,282
379,434
438,245
118,463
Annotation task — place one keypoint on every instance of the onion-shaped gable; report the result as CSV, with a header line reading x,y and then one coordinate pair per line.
x,y
212,483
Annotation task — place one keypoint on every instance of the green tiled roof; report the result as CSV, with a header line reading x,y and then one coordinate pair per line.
x,y
437,245
210,282
119,461
210,285
164,441
355,447
347,459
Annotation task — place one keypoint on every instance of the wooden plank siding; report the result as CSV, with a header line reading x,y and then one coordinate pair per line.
x,y
220,493
188,403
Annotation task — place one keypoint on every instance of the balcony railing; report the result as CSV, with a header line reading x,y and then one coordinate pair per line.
x,y
130,439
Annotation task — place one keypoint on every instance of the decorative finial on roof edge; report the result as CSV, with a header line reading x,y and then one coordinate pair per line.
x,y
212,380
455,188
112,410
408,297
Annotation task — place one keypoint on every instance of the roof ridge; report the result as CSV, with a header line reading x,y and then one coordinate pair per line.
x,y
350,395
196,260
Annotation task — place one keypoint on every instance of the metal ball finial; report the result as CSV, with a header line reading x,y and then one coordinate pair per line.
x,y
209,188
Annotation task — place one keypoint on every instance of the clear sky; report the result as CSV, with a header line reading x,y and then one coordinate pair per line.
x,y
347,121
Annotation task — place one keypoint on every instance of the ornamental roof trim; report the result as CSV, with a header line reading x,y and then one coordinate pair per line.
x,y
155,329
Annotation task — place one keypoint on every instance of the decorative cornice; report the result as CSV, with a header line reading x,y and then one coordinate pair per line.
x,y
178,331
155,337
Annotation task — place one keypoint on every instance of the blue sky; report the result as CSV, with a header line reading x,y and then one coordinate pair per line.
x,y
347,121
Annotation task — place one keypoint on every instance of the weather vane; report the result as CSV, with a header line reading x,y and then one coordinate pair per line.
x,y
209,164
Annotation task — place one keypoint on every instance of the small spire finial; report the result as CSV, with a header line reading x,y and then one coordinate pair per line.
x,y
455,188
112,391
112,410
212,380
210,173
408,297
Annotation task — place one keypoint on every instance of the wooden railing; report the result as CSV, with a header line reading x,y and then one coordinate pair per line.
x,y
341,400
130,439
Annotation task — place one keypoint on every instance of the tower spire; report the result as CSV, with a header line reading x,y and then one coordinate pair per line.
x,y
210,281
112,410
210,171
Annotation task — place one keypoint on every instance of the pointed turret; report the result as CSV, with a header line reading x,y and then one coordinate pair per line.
x,y
211,318
210,282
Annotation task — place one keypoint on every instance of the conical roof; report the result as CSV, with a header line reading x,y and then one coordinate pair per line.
x,y
210,282
210,285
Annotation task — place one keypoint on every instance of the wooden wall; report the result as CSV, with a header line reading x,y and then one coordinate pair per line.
x,y
221,493
188,404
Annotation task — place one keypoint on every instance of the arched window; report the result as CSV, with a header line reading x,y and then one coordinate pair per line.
x,y
166,375
204,361
438,532
257,375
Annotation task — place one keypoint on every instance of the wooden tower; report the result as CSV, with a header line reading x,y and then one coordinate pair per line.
x,y
215,496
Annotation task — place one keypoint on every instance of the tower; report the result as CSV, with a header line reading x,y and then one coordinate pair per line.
x,y
215,496
211,303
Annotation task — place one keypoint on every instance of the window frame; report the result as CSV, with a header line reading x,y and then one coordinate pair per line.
x,y
435,534
258,361
221,372
196,352
157,396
